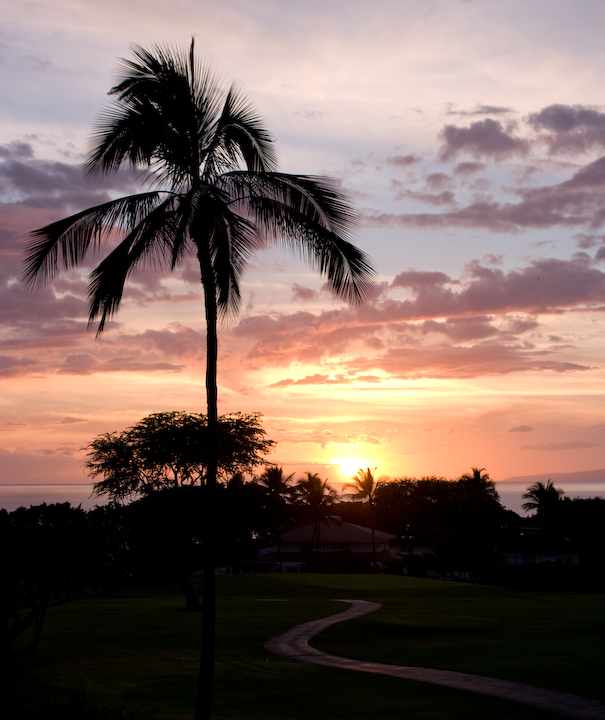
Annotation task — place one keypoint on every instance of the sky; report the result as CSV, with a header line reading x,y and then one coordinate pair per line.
x,y
470,136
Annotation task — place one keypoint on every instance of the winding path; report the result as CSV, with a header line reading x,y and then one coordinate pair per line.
x,y
294,644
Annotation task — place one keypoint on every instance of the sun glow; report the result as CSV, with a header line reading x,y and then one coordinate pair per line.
x,y
350,466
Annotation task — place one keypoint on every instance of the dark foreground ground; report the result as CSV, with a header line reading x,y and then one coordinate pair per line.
x,y
137,656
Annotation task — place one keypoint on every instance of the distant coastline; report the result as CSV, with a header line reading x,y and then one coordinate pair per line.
x,y
15,495
573,478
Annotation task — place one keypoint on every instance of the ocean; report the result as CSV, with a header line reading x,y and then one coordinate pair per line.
x,y
14,496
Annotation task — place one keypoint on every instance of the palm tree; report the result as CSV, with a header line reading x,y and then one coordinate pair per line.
x,y
280,492
542,498
317,496
479,480
213,193
364,487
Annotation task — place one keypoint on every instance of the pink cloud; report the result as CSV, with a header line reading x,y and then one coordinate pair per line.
x,y
86,364
319,379
445,328
520,429
325,437
451,361
48,465
558,447
174,341
14,366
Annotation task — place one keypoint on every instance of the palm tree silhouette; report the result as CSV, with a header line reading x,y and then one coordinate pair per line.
x,y
215,194
317,496
280,492
364,487
542,498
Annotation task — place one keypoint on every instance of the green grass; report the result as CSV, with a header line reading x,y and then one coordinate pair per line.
x,y
143,653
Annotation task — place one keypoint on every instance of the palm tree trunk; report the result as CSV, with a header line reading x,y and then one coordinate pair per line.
x,y
203,708
279,549
372,528
311,543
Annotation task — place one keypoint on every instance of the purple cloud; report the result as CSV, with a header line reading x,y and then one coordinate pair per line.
x,y
579,201
468,168
570,128
482,138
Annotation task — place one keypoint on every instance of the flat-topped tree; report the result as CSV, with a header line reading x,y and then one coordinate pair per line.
x,y
215,194
171,449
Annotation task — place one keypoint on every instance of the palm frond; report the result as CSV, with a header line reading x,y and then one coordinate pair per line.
x,y
63,244
239,136
165,106
151,242
310,216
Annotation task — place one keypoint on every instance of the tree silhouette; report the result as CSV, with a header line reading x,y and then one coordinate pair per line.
x,y
280,492
316,496
215,195
171,449
479,479
364,487
542,498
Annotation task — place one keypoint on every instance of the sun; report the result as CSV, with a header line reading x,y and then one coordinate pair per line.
x,y
350,466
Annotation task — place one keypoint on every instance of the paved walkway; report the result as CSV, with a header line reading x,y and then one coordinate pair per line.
x,y
294,644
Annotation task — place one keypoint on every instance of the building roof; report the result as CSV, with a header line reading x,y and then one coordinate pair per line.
x,y
332,530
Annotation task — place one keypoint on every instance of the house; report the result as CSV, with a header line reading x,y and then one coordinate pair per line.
x,y
323,543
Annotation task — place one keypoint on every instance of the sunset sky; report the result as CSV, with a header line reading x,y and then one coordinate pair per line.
x,y
470,135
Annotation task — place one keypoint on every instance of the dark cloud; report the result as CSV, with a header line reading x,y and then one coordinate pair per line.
x,y
437,181
174,341
11,366
55,185
420,278
484,138
475,328
543,286
399,192
482,110
468,168
579,201
403,161
520,429
570,128
587,241
300,293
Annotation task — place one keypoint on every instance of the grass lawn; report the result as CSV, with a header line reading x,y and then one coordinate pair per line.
x,y
143,653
